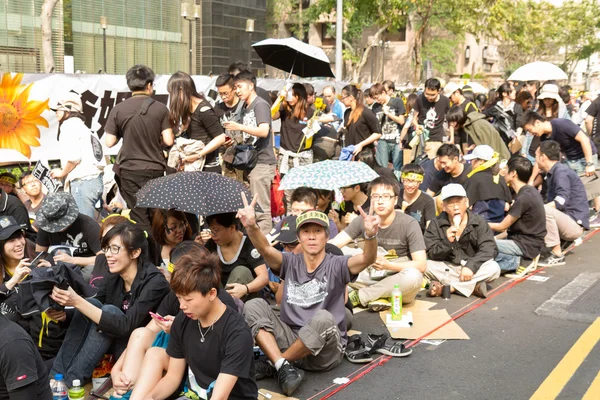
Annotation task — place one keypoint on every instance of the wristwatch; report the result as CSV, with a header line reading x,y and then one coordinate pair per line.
x,y
589,164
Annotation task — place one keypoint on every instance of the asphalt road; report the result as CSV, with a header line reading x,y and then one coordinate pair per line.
x,y
511,352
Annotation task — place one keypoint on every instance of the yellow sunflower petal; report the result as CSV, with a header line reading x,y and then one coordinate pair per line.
x,y
11,141
28,134
35,119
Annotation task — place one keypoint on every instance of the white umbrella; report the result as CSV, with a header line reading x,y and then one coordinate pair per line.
x,y
477,87
538,71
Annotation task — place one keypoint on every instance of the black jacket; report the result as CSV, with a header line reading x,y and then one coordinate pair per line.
x,y
147,291
475,246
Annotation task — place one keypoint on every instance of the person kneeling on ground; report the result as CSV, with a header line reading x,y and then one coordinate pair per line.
x,y
311,333
399,234
525,222
208,339
460,247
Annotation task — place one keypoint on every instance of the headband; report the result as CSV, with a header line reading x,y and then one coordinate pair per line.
x,y
124,215
413,176
8,179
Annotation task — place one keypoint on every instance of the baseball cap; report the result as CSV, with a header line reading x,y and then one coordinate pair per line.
x,y
450,88
453,190
70,101
8,226
481,152
287,230
312,217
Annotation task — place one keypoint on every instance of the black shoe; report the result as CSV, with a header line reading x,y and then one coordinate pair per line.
x,y
289,378
263,369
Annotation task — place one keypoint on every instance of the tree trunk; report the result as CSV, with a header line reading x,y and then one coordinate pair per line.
x,y
46,17
356,75
418,58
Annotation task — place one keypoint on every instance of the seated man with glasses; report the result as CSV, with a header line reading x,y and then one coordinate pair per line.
x,y
412,200
399,234
243,270
33,189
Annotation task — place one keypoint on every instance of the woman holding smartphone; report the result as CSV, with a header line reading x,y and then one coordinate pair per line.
x,y
132,289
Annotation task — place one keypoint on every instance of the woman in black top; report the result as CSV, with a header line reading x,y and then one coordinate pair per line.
x,y
294,114
362,126
197,117
133,288
507,113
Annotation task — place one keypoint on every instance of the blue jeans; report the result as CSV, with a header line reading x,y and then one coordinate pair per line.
x,y
87,193
579,164
509,254
387,150
83,347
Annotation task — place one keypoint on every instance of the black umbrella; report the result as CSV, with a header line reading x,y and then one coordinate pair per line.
x,y
202,193
295,57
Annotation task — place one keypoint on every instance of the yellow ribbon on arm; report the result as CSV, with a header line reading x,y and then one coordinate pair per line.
x,y
486,165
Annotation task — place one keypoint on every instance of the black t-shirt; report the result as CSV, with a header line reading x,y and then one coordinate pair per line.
x,y
264,94
442,178
593,110
227,349
564,132
390,130
432,115
20,364
142,147
259,112
99,272
170,304
362,128
530,228
481,187
430,172
247,256
83,235
205,126
291,130
422,209
348,207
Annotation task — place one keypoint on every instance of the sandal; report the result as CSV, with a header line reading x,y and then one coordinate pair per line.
x,y
389,346
358,353
435,289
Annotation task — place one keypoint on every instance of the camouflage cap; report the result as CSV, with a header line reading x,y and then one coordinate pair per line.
x,y
57,213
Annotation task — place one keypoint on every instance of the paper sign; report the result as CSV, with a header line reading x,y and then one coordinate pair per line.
x,y
433,342
536,278
42,172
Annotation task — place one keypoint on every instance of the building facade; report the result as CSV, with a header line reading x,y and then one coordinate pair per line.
x,y
150,32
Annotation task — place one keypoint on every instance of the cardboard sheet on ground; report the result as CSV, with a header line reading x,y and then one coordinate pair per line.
x,y
424,322
416,305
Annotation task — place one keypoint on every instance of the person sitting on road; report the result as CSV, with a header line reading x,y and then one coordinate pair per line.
x,y
460,247
453,170
412,200
354,196
169,228
567,211
311,331
61,223
243,270
487,191
305,199
143,363
208,340
401,236
525,222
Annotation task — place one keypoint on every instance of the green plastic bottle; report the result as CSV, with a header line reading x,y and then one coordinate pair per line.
x,y
396,301
77,392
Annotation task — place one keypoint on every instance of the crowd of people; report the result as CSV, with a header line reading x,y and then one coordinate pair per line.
x,y
468,188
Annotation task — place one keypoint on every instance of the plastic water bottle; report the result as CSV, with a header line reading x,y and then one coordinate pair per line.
x,y
77,392
59,389
396,301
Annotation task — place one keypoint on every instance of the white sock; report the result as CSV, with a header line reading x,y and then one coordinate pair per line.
x,y
279,363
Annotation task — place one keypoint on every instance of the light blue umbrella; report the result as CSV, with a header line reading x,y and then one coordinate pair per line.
x,y
328,175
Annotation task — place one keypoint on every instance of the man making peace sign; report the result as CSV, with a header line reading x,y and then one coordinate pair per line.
x,y
311,333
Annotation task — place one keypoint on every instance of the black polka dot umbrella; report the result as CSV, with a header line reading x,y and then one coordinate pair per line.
x,y
202,193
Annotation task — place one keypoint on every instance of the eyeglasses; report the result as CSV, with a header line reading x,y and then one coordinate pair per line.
x,y
28,183
289,246
113,248
178,227
225,94
384,197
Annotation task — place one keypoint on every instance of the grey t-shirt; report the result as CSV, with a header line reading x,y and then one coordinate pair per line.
x,y
403,235
306,293
259,112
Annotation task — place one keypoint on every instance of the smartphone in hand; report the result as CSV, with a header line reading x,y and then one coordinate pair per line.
x,y
158,317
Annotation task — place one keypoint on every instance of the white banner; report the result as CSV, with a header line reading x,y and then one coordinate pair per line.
x,y
99,94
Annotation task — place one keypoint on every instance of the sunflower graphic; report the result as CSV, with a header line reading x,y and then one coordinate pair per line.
x,y
18,116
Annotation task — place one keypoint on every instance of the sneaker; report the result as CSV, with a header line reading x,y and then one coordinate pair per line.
x,y
595,222
289,378
523,270
263,369
481,290
354,298
379,305
552,260
388,346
